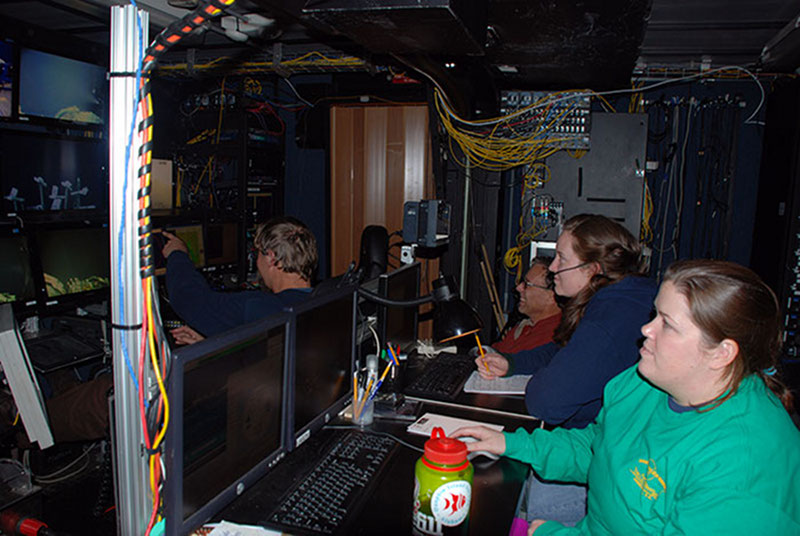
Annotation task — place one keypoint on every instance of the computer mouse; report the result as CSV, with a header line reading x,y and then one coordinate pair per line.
x,y
477,453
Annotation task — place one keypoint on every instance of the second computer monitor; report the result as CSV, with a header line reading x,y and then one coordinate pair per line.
x,y
323,359
397,324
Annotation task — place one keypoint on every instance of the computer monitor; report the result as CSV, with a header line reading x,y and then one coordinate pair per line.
x,y
6,78
322,361
43,173
17,285
398,325
55,87
73,260
192,235
222,243
228,413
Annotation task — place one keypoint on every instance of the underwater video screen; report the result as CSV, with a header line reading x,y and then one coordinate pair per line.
x,y
55,87
6,78
74,260
47,174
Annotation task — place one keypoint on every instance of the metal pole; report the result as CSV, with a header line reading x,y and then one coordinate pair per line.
x,y
464,228
133,498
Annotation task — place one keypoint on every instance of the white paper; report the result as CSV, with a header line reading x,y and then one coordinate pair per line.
x,y
512,385
425,424
226,528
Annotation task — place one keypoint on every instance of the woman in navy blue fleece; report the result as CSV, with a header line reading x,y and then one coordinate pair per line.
x,y
598,268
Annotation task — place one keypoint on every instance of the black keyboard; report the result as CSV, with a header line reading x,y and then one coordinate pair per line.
x,y
442,378
54,351
320,502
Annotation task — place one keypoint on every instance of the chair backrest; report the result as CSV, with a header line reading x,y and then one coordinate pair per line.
x,y
374,252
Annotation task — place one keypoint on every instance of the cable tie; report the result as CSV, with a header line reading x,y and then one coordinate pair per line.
x,y
122,327
122,74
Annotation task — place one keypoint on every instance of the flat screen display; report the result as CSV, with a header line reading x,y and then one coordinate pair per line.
x,y
232,414
74,260
46,174
323,357
56,87
16,277
6,78
222,243
192,236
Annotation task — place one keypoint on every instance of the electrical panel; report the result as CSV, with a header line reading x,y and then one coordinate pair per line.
x,y
564,119
607,180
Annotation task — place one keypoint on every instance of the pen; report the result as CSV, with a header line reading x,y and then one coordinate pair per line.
x,y
380,381
483,356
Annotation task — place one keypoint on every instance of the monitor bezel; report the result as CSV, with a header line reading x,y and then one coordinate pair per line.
x,y
176,525
384,280
312,427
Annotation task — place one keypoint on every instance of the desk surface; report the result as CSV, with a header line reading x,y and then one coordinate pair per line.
x,y
388,506
508,404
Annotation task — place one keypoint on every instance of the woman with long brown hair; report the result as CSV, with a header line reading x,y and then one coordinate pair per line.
x,y
695,439
596,268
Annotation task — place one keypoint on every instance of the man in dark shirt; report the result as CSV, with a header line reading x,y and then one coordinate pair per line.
x,y
287,259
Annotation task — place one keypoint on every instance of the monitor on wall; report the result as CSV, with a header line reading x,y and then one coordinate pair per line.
x,y
74,261
55,87
41,173
6,78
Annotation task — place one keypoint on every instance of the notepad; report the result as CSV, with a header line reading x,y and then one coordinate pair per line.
x,y
511,385
425,424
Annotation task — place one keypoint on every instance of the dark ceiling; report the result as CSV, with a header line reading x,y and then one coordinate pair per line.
x,y
469,46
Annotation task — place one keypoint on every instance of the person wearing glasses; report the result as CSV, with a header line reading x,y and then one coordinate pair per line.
x,y
598,269
697,437
537,304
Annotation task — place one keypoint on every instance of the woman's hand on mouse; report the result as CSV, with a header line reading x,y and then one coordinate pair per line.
x,y
488,440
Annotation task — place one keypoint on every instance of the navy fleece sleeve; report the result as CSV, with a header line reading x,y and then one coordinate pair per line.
x,y
568,391
191,297
530,361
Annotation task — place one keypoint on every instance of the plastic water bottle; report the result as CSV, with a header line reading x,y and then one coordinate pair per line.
x,y
442,487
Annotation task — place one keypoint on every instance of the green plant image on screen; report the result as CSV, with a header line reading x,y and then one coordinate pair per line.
x,y
74,260
192,235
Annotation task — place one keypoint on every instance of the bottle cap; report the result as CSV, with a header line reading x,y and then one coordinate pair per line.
x,y
444,450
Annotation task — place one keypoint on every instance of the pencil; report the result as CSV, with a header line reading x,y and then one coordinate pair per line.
x,y
394,356
364,401
483,356
355,392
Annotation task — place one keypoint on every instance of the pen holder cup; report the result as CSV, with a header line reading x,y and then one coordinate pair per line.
x,y
363,412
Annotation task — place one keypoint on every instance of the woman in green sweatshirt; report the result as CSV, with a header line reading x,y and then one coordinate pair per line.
x,y
694,439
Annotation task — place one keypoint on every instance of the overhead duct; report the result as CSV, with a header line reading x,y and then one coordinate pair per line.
x,y
782,52
438,27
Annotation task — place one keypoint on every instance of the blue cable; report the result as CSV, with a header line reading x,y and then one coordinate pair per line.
x,y
122,225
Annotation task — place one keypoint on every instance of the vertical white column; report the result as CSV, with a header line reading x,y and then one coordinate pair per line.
x,y
132,490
